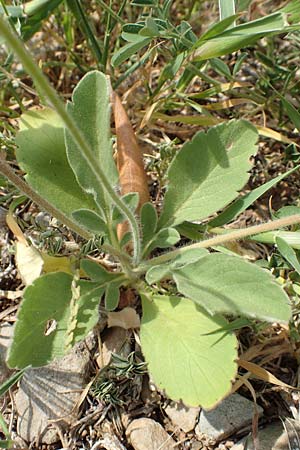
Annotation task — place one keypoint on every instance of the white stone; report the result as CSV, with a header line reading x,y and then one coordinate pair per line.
x,y
272,437
232,414
6,333
146,434
50,393
182,416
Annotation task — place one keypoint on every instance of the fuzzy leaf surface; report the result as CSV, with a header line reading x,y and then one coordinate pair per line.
x,y
157,273
41,154
90,109
183,358
47,301
210,170
90,220
227,284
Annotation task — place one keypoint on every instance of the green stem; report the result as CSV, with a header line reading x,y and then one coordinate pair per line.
x,y
49,92
111,12
222,239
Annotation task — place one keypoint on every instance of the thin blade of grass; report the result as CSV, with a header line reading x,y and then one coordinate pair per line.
x,y
83,22
11,381
226,8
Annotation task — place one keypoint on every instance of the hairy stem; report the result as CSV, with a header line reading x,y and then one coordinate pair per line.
x,y
222,239
51,95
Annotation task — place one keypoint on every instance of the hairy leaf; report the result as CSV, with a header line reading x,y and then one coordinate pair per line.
x,y
183,359
91,111
41,329
227,284
41,154
90,220
207,173
288,253
148,222
157,273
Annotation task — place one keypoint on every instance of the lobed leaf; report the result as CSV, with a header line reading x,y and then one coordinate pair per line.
x,y
207,173
184,359
227,284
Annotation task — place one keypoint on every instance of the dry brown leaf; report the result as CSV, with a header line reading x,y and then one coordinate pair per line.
x,y
263,374
130,163
127,318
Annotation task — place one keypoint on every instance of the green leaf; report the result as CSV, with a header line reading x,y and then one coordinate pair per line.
x,y
42,328
220,159
183,359
292,112
96,272
227,284
241,204
157,273
167,237
90,221
288,253
216,29
227,8
8,384
87,315
131,200
91,111
239,37
148,222
41,154
112,296
128,50
291,237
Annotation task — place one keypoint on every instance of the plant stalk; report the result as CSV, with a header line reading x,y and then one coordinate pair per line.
x,y
222,239
51,95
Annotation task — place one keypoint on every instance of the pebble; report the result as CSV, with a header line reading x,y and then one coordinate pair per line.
x,y
272,437
182,416
146,434
232,414
115,340
6,334
51,393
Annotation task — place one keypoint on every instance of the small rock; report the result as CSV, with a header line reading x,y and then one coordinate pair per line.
x,y
50,393
231,414
182,416
115,340
272,437
6,334
146,434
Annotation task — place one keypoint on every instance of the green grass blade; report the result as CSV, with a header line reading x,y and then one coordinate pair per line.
x,y
226,8
83,22
11,381
292,112
242,203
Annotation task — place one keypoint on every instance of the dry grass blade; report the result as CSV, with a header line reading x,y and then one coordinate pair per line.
x,y
262,374
130,164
